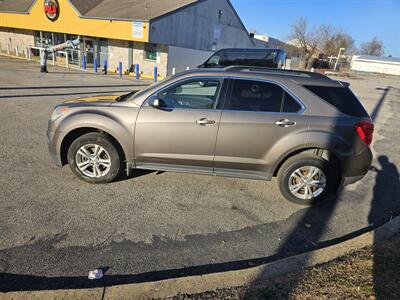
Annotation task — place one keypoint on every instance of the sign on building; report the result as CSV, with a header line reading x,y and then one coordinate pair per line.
x,y
137,30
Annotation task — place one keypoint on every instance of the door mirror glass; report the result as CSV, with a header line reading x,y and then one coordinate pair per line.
x,y
154,101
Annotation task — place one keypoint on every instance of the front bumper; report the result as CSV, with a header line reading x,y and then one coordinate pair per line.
x,y
52,142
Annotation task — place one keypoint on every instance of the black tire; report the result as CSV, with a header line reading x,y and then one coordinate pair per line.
x,y
303,160
100,139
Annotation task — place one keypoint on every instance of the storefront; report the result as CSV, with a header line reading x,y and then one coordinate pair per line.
x,y
145,33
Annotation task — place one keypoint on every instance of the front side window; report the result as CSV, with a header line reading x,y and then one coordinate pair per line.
x,y
194,94
250,95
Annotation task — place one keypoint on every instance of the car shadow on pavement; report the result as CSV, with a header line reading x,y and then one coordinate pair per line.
x,y
386,190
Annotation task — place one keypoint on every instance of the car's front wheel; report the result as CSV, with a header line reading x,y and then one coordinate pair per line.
x,y
307,179
94,158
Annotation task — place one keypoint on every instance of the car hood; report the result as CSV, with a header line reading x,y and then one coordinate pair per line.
x,y
101,99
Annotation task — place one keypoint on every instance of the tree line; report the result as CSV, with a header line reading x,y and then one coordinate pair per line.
x,y
327,40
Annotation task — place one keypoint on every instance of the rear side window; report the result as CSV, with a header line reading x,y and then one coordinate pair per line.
x,y
289,104
249,95
340,97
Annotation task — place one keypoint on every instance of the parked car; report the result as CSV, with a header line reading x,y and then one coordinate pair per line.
x,y
271,58
308,130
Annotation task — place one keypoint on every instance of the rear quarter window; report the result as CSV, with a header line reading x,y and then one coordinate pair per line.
x,y
340,97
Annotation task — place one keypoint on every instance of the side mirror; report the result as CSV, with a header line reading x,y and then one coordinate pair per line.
x,y
154,101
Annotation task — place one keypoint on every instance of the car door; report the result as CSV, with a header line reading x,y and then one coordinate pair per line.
x,y
180,134
256,116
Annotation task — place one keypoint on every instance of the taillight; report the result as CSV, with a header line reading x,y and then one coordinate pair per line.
x,y
365,130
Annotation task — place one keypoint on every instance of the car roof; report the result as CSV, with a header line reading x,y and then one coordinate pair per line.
x,y
249,50
299,77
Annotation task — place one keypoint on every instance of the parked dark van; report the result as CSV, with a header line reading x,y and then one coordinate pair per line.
x,y
271,58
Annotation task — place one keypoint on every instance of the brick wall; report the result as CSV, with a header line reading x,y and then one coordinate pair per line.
x,y
16,38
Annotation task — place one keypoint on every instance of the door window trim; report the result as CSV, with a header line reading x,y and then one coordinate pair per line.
x,y
222,97
284,88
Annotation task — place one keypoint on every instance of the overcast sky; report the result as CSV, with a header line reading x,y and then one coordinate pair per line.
x,y
362,19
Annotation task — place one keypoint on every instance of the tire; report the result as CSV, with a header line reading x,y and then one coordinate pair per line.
x,y
289,177
87,166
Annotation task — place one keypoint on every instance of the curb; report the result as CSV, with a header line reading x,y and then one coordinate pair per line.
x,y
203,283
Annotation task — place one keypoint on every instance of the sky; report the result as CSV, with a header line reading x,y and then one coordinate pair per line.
x,y
362,19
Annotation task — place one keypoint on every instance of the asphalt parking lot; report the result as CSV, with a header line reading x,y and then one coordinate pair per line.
x,y
54,228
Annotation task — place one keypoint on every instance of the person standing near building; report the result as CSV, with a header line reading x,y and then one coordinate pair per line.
x,y
43,61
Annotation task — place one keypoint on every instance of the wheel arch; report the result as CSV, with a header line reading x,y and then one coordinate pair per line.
x,y
77,132
317,150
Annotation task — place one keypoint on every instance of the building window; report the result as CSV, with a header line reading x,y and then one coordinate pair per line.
x,y
150,52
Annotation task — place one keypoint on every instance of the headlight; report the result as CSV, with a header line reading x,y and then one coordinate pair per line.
x,y
58,112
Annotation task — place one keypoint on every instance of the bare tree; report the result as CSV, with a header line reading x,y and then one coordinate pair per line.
x,y
339,40
309,41
373,47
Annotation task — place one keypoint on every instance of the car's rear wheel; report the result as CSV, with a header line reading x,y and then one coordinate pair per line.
x,y
307,179
94,158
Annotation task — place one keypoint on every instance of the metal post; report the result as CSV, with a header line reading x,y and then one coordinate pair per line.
x,y
120,69
29,53
95,64
84,61
173,71
155,73
67,59
54,58
105,66
137,71
338,57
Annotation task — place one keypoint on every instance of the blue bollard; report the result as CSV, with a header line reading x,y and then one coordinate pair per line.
x,y
137,71
95,65
120,69
105,66
155,73
84,62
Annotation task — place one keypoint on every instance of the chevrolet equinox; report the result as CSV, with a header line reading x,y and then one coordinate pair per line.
x,y
308,130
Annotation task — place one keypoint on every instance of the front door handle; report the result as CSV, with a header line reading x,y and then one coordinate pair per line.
x,y
205,121
285,123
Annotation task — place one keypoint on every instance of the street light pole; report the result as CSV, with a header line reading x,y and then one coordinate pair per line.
x,y
338,57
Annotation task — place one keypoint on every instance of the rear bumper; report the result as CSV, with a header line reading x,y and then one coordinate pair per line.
x,y
355,167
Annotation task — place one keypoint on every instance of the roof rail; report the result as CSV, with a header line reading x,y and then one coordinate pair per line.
x,y
275,71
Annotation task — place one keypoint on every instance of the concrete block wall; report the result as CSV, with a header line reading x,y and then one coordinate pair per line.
x,y
147,66
119,51
16,38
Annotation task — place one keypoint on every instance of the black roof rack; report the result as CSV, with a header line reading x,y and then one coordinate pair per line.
x,y
274,71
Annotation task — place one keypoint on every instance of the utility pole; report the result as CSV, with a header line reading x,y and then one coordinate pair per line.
x,y
338,57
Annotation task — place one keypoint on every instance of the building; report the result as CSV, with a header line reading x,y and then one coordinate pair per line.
x,y
376,64
169,34
268,41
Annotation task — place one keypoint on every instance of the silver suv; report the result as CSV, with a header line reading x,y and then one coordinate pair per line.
x,y
308,130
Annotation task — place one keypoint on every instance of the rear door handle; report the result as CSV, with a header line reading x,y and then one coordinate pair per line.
x,y
285,123
205,121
